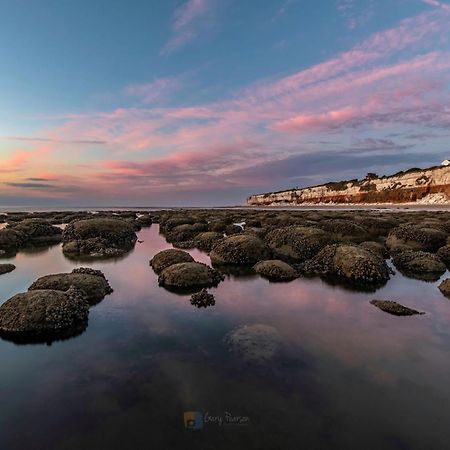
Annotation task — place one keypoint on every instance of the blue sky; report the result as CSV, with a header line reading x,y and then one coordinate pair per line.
x,y
207,101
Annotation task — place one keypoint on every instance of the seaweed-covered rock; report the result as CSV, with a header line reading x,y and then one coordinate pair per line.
x,y
37,231
189,275
144,220
239,249
202,299
444,287
255,344
444,254
394,308
375,247
6,268
233,229
275,270
11,240
421,265
205,241
415,238
43,315
185,232
92,282
166,258
345,230
296,244
349,263
98,237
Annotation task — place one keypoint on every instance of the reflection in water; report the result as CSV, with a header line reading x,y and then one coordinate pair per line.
x,y
349,376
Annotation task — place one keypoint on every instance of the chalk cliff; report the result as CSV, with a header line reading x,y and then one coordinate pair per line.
x,y
430,185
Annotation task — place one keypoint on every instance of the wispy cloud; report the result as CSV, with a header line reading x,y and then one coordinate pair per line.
x,y
394,81
158,90
444,6
56,141
354,14
189,20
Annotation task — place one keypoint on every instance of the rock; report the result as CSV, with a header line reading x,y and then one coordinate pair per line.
x,y
11,240
37,232
145,220
345,230
233,229
415,238
444,254
188,275
444,287
92,282
421,265
239,249
275,270
6,268
43,316
296,244
205,241
202,299
168,257
255,344
98,237
376,248
349,263
185,232
394,308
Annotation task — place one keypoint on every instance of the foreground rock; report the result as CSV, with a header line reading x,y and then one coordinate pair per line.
x,y
444,287
205,241
394,308
275,270
351,264
169,257
421,265
6,268
297,244
239,249
255,344
202,299
91,282
189,275
102,237
412,237
37,232
43,316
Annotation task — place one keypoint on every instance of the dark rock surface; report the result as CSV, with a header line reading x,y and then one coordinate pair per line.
x,y
275,270
394,308
239,249
166,258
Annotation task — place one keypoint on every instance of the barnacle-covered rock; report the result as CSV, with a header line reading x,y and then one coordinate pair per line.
x,y
421,265
205,241
239,249
202,299
394,308
189,275
351,264
166,258
296,244
92,282
44,315
275,270
102,237
6,268
412,237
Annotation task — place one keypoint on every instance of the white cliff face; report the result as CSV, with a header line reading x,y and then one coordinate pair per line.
x,y
409,186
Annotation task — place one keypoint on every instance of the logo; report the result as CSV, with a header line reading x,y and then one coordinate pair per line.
x,y
193,420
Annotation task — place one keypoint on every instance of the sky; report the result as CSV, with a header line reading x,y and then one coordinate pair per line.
x,y
205,102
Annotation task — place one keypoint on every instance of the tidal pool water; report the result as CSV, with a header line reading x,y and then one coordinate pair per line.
x,y
349,376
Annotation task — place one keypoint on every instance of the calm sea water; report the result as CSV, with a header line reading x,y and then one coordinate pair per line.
x,y
349,377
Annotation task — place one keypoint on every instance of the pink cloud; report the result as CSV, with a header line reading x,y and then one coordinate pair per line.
x,y
216,145
188,20
157,90
438,4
